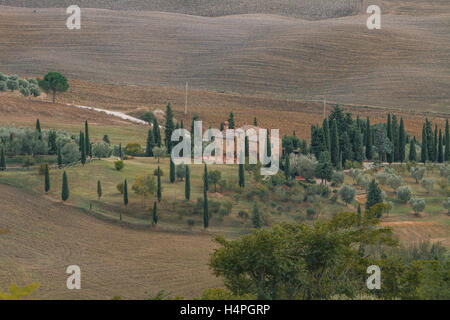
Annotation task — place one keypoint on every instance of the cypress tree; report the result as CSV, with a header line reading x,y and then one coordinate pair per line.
x,y
87,143
424,150
374,194
83,148
435,142
447,142
2,160
247,149
205,200
255,122
231,121
169,128
80,141
156,133
65,187
440,158
256,217
99,189
150,144
182,125
412,150
120,151
205,178
47,179
326,135
268,146
401,141
172,171
287,168
241,176
334,142
158,192
125,193
38,126
389,134
395,134
222,126
155,214
368,140
60,162
187,186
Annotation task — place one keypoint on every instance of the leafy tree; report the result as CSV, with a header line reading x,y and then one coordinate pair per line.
x,y
65,187
214,178
155,214
101,150
144,186
418,205
337,177
54,82
99,190
187,186
303,165
347,193
363,180
70,153
417,173
159,152
394,181
180,171
133,149
446,204
324,169
159,187
428,184
404,193
374,194
12,83
47,179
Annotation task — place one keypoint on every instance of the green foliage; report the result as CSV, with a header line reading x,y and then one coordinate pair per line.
x,y
347,193
120,187
374,195
428,184
257,221
159,185
144,186
214,177
133,149
404,194
16,293
54,82
65,187
119,165
418,173
47,179
159,152
417,204
101,150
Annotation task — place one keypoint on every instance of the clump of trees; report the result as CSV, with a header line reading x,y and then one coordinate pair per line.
x,y
26,87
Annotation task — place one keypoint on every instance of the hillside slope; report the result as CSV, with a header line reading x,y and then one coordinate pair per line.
x,y
39,239
406,64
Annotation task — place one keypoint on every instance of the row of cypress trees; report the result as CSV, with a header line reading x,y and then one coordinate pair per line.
x,y
435,146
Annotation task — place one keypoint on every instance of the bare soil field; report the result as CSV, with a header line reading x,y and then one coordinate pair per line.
x,y
214,107
42,237
404,65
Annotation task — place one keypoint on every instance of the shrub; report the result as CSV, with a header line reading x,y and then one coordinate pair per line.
x,y
27,162
404,194
243,214
227,205
161,172
2,86
446,204
70,153
120,187
41,169
119,164
223,212
354,173
310,212
190,222
444,170
133,149
214,206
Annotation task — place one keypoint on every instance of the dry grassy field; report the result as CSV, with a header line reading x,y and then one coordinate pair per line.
x,y
42,237
403,65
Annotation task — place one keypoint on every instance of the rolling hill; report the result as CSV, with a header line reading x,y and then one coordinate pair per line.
x,y
403,65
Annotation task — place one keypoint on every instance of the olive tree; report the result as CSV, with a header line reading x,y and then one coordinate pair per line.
x,y
347,193
404,193
418,205
303,165
101,150
428,184
70,153
417,173
446,204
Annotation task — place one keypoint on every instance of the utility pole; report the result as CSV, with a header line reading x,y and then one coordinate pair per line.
x,y
185,101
